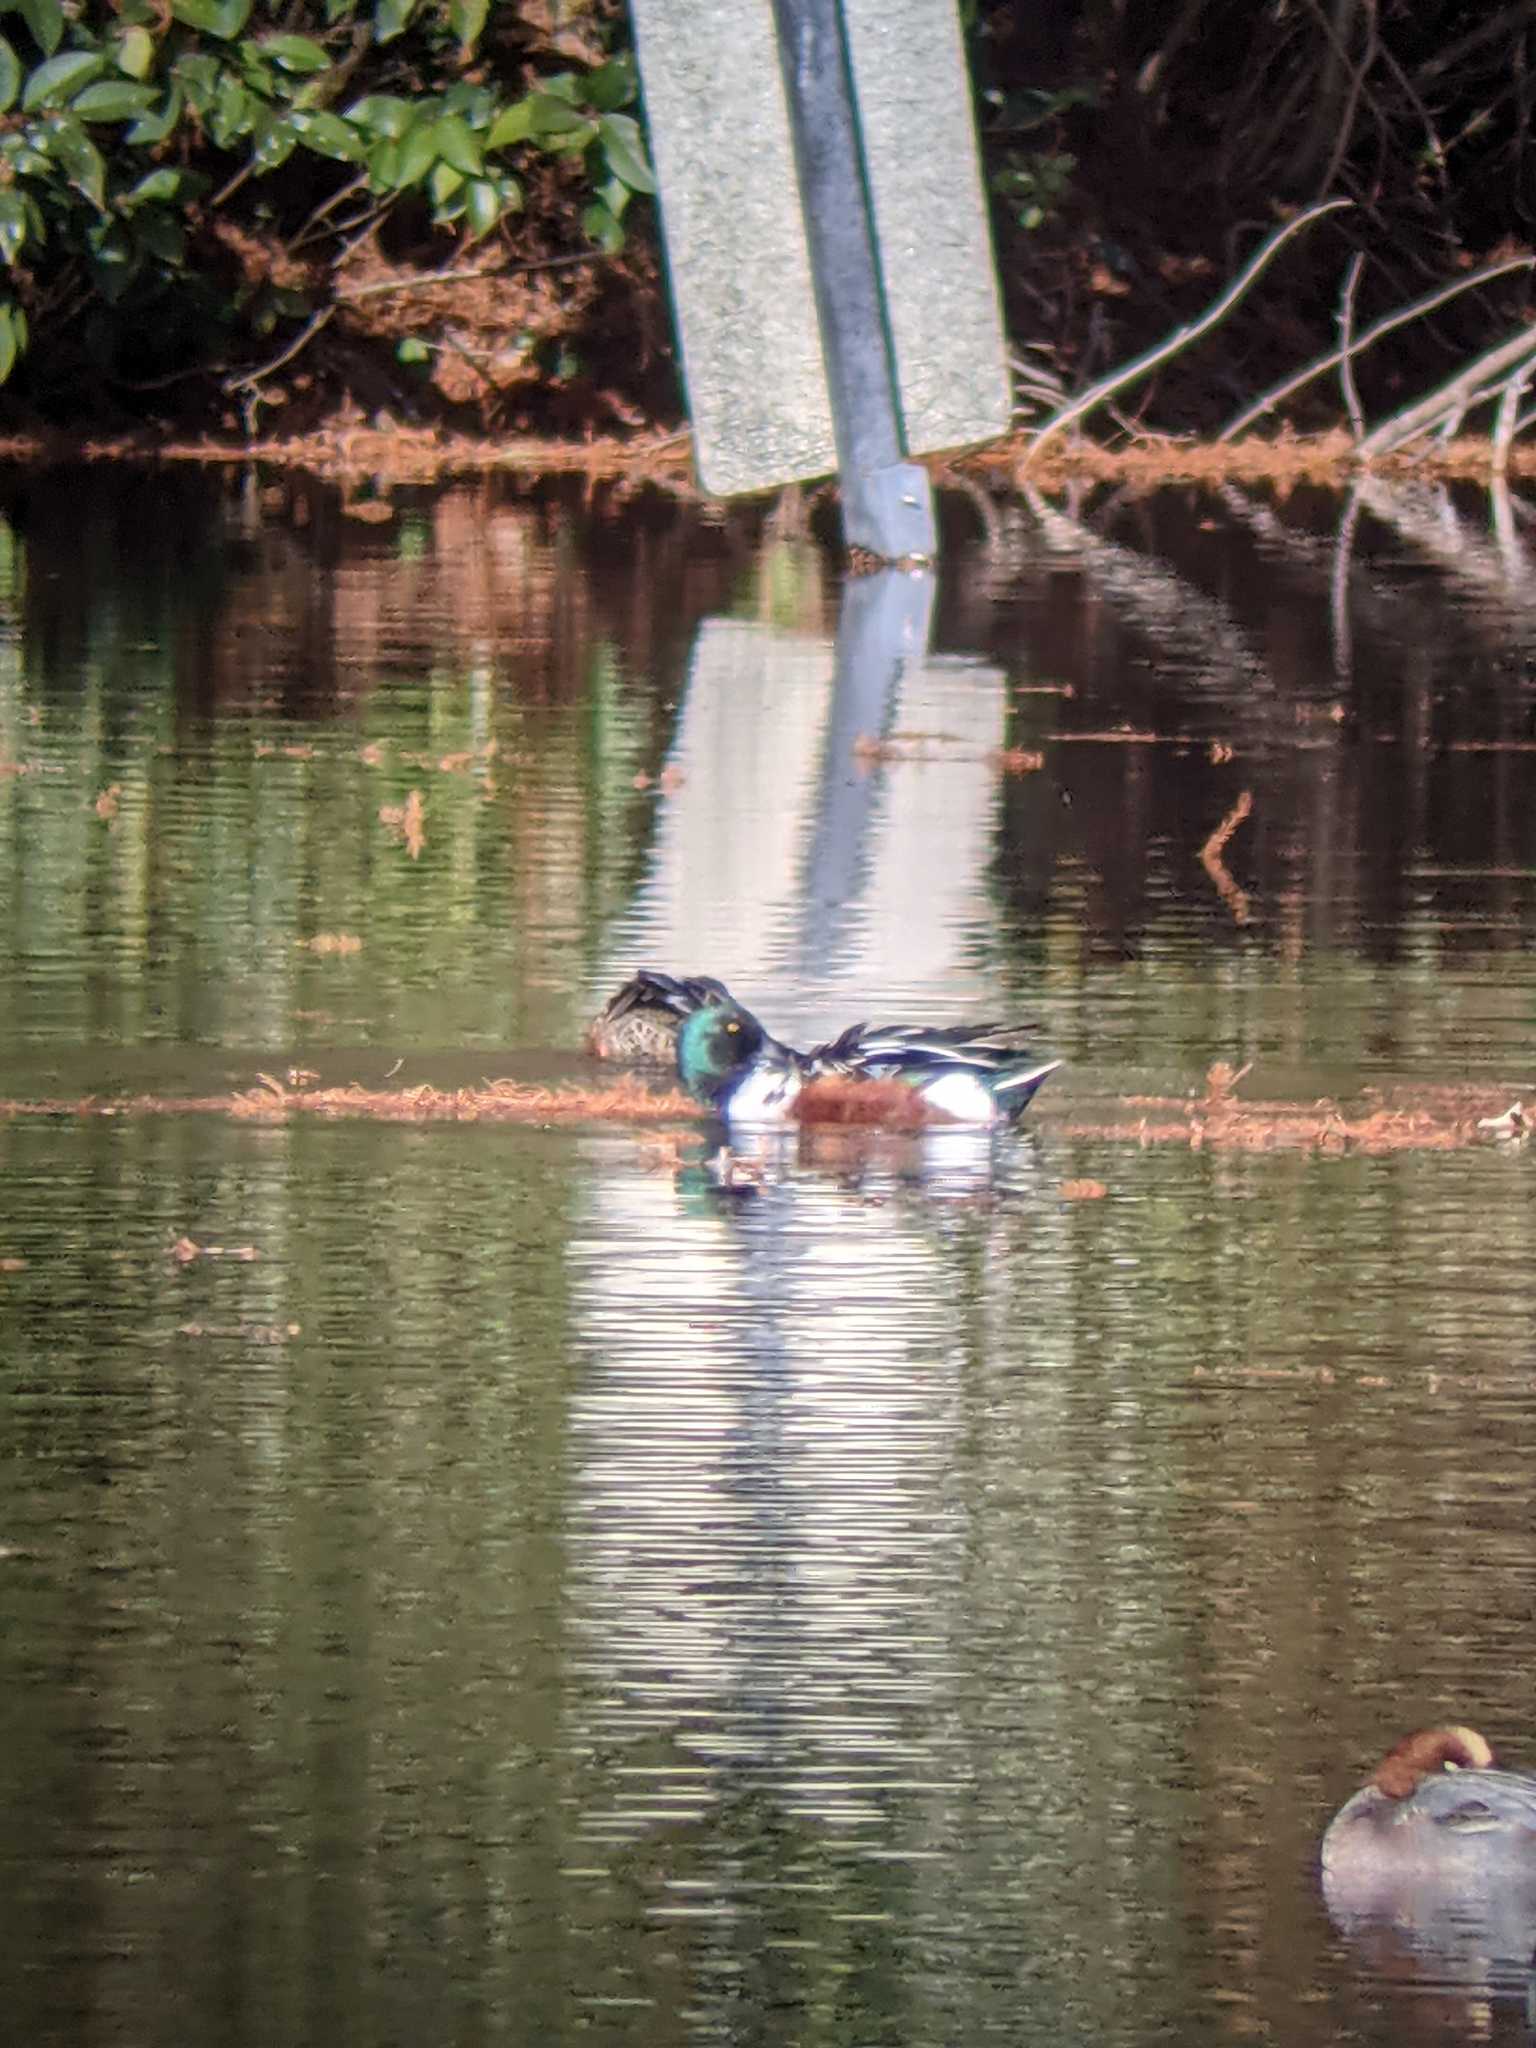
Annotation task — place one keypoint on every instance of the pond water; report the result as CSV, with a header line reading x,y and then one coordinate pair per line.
x,y
507,1586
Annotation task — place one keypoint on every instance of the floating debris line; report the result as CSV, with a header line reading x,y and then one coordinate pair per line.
x,y
1437,1119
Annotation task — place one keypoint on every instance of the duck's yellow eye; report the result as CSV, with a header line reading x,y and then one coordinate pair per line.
x,y
733,1027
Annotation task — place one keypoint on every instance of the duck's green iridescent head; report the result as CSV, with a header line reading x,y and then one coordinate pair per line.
x,y
715,1046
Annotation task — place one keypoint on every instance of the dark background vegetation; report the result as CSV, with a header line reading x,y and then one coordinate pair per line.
x,y
266,241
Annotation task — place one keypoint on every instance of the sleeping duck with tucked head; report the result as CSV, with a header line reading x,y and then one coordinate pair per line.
x,y
1435,1855
1432,1802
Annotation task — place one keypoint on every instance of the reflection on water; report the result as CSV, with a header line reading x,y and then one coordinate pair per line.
x,y
519,1585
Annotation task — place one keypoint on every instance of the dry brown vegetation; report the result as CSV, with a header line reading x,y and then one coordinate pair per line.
x,y
1437,1120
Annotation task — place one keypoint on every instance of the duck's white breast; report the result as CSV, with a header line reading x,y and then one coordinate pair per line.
x,y
764,1097
962,1096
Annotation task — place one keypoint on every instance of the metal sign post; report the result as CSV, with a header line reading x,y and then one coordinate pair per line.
x,y
828,248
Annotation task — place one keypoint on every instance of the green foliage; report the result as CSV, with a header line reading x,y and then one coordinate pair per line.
x,y
130,128
1033,182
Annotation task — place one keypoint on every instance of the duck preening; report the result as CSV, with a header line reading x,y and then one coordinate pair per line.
x,y
901,1074
640,1021
1434,1805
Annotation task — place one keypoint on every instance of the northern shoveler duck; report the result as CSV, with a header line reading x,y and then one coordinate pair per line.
x,y
1435,1809
875,1074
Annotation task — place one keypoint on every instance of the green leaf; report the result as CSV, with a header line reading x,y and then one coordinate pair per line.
x,y
409,350
512,124
381,114
225,18
551,116
467,18
160,235
444,182
135,52
482,205
114,99
10,75
275,147
155,127
603,228
458,145
13,225
392,18
9,344
45,18
113,260
55,83
562,85
418,153
199,77
235,112
69,145
611,85
329,135
294,53
625,151
472,101
615,195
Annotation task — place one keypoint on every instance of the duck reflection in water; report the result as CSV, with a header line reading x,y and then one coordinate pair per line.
x,y
1433,1862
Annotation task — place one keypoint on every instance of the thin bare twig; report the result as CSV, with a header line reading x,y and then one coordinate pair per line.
x,y
255,377
1346,339
1451,399
417,283
1508,416
309,231
1142,365
1281,392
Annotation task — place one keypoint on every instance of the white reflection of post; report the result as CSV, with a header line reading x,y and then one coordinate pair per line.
x,y
761,1539
828,817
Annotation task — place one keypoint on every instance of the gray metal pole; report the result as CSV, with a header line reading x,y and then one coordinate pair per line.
x,y
887,501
